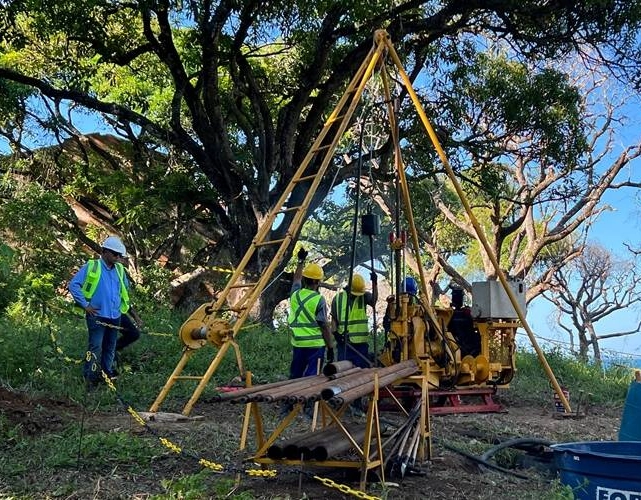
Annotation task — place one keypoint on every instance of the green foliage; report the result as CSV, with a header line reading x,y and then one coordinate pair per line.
x,y
152,293
607,386
199,485
189,487
66,449
9,278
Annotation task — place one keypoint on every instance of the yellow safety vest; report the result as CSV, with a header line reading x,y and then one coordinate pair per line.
x,y
357,325
94,269
302,319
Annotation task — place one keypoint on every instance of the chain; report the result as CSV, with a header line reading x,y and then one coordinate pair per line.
x,y
261,472
343,488
213,466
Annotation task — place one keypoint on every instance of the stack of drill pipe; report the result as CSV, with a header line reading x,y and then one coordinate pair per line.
x,y
313,393
282,390
263,393
334,447
317,445
349,389
290,449
242,393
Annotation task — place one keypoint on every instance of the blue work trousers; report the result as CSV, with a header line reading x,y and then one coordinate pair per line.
x,y
305,361
358,354
102,347
129,333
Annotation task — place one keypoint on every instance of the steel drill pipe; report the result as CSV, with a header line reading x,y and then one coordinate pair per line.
x,y
345,373
367,375
226,396
314,392
291,448
336,367
277,450
272,394
255,392
367,387
303,445
336,446
283,389
296,386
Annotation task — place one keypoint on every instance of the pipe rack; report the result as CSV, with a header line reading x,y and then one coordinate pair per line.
x,y
331,395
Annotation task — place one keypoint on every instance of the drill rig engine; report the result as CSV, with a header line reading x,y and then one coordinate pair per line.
x,y
455,346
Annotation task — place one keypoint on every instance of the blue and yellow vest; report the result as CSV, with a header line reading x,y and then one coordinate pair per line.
x,y
357,325
94,269
302,319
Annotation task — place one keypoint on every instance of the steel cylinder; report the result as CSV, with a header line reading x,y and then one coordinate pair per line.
x,y
336,367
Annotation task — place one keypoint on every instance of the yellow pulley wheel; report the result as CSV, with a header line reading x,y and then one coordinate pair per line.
x,y
482,368
193,334
471,364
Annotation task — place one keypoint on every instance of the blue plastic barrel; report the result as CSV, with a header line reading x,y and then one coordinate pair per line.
x,y
630,429
600,470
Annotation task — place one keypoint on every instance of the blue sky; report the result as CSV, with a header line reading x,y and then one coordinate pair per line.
x,y
612,230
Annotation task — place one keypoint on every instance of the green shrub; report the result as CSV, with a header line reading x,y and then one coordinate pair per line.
x,y
608,386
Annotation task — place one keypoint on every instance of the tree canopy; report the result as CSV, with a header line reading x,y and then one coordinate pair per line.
x,y
213,104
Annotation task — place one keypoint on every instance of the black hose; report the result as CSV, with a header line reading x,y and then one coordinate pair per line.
x,y
487,464
510,443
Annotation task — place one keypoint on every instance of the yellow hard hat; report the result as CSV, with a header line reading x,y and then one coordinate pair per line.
x,y
358,285
313,272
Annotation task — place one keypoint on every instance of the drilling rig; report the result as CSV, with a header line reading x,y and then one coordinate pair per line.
x,y
431,336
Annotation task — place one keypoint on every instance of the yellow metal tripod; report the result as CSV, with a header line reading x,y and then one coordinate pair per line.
x,y
220,322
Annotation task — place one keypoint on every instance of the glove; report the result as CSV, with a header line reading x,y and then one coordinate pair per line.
x,y
339,337
302,254
330,355
374,278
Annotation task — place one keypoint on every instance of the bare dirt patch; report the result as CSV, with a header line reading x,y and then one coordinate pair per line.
x,y
449,475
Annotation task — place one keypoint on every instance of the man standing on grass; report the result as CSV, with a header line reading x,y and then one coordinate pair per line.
x,y
100,289
308,320
350,323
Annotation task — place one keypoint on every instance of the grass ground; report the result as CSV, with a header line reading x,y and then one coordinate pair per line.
x,y
58,441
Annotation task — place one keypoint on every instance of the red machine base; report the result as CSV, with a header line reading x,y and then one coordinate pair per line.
x,y
478,400
443,402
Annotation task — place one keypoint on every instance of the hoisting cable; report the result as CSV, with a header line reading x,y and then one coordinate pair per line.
x,y
349,302
371,229
397,215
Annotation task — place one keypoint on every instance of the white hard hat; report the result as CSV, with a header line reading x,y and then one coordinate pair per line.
x,y
114,244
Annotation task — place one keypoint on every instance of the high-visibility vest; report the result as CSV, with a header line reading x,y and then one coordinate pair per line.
x,y
357,324
94,269
302,319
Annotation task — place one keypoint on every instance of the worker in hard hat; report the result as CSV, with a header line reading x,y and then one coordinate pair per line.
x,y
100,288
350,324
311,338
